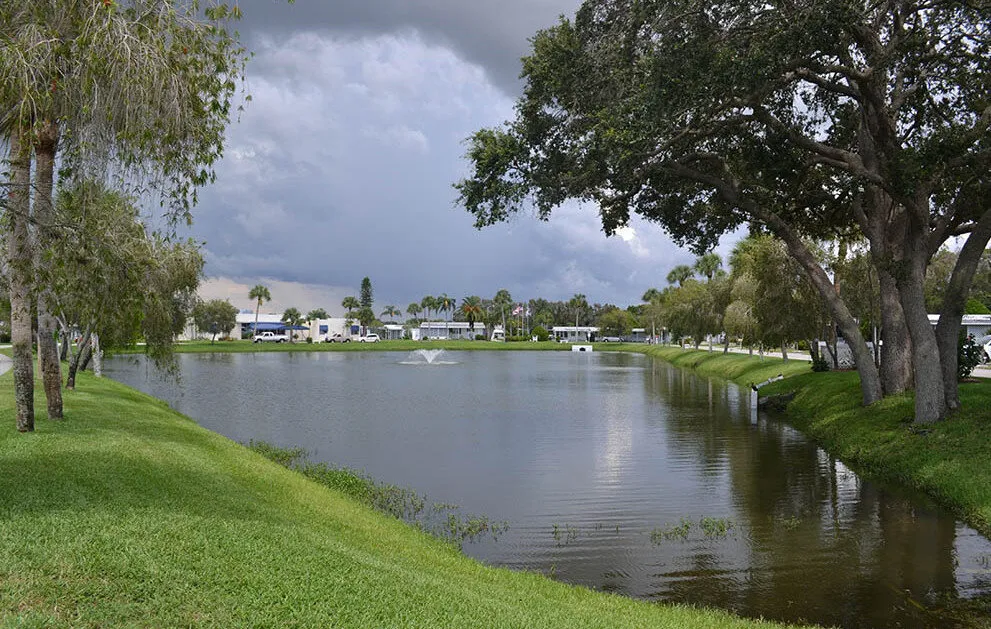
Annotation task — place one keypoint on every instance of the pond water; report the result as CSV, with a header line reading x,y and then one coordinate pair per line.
x,y
613,470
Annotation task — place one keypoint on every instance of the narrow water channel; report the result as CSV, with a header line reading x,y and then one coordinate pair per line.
x,y
613,470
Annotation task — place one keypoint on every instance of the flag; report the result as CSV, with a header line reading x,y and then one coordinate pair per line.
x,y
517,310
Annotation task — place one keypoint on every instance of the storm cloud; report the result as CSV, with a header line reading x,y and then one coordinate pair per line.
x,y
342,165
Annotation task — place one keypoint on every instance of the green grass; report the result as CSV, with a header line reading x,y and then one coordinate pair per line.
x,y
950,462
740,368
128,514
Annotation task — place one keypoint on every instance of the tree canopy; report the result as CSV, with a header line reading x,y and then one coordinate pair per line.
x,y
798,118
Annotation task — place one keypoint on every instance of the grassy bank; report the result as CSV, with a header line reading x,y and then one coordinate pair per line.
x,y
951,462
740,368
127,514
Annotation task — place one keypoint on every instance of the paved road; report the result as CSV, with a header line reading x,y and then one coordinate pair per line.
x,y
6,363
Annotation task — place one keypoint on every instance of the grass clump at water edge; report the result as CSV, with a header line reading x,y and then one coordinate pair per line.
x,y
442,520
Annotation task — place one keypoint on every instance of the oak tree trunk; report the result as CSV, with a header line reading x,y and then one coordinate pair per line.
x,y
954,304
930,403
896,343
21,276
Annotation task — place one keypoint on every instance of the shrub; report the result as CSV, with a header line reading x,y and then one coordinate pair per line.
x,y
479,337
819,363
309,340
969,355
541,333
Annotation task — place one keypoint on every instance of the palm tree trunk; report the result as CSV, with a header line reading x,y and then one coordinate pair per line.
x,y
44,214
20,271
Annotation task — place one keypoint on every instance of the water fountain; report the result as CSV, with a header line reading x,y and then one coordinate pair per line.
x,y
427,357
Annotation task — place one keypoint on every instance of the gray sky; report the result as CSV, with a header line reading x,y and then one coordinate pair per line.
x,y
341,166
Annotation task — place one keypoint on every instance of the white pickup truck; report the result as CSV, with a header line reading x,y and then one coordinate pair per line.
x,y
270,337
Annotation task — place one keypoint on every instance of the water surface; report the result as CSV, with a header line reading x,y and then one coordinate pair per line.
x,y
596,460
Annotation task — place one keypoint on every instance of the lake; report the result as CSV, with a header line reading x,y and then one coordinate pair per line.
x,y
613,470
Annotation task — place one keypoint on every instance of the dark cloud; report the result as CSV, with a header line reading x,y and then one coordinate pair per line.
x,y
493,35
342,165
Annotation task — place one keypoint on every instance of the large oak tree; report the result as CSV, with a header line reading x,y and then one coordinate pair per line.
x,y
801,118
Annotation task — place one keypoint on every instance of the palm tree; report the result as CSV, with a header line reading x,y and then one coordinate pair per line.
x,y
350,304
260,294
502,299
471,308
579,303
650,295
444,303
679,274
414,309
428,303
391,311
316,314
708,264
292,318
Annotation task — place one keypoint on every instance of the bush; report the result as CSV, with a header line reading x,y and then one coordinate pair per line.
x,y
819,364
309,340
479,337
541,333
969,355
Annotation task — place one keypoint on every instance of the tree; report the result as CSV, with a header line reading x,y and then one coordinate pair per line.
x,y
708,264
115,82
679,274
672,111
350,304
391,311
214,316
471,308
113,281
366,294
501,300
428,303
444,303
615,322
293,318
578,304
317,314
414,309
260,295
366,316
650,295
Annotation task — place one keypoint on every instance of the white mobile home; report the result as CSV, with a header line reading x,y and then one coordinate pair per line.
x,y
447,330
573,334
977,325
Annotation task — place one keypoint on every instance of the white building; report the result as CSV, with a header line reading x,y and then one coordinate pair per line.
x,y
572,334
447,330
978,325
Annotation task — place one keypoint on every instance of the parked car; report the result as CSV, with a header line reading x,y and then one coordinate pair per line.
x,y
270,337
369,338
338,338
611,339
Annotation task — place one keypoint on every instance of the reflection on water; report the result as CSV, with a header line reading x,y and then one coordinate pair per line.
x,y
586,455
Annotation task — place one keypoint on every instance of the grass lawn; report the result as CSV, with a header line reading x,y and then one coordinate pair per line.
x,y
128,514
